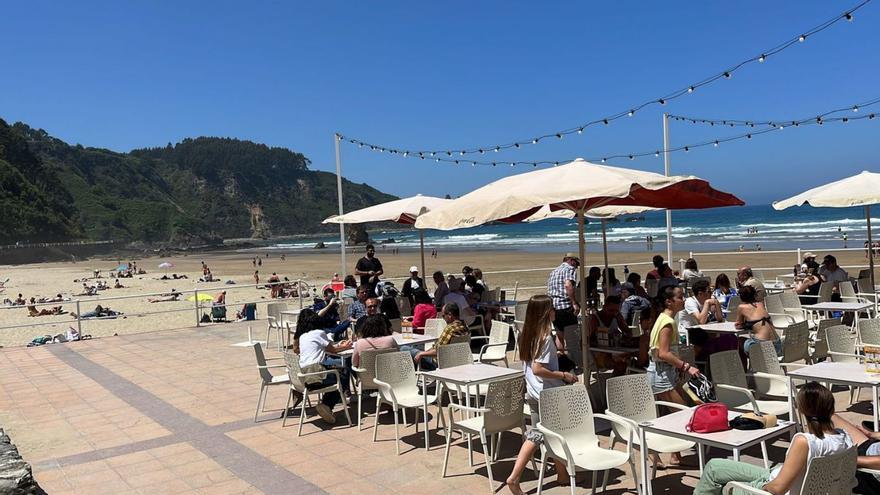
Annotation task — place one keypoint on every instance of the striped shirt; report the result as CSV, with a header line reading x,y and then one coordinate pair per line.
x,y
556,285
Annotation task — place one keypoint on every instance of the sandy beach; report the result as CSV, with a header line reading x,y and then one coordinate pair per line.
x,y
316,267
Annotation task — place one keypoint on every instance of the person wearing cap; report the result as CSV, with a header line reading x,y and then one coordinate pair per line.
x,y
412,284
809,259
831,272
561,289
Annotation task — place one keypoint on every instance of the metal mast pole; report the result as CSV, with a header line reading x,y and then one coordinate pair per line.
x,y
336,139
666,169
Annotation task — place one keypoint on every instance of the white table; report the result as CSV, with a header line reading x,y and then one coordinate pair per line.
x,y
775,288
851,374
724,327
846,307
674,425
466,375
615,350
415,339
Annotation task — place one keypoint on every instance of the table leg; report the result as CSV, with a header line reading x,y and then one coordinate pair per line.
x,y
791,399
425,412
764,453
736,455
467,402
647,489
699,447
876,412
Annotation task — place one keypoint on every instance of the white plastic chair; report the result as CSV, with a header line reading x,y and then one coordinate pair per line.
x,y
826,289
731,385
763,361
366,372
833,474
848,294
791,303
733,307
820,342
398,387
631,400
501,412
495,348
570,435
298,387
869,331
267,379
778,316
519,318
796,343
273,310
842,349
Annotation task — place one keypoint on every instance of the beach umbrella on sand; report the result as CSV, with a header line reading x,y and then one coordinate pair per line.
x,y
859,190
202,297
580,187
404,211
122,267
166,265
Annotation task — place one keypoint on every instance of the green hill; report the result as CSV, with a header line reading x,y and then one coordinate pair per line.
x,y
195,191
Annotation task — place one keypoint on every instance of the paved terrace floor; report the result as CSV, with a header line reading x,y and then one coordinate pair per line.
x,y
172,412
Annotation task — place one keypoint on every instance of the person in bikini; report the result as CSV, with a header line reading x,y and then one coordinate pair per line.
x,y
753,316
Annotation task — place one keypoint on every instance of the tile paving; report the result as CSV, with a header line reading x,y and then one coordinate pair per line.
x,y
172,412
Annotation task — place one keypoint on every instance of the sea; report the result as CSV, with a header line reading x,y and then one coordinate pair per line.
x,y
721,229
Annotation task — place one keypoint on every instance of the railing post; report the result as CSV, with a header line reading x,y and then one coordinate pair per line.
x,y
198,315
78,320
798,256
299,292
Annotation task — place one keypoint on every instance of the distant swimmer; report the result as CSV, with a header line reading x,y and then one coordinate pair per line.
x,y
844,240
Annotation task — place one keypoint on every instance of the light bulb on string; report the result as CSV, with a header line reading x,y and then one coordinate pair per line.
x,y
691,89
657,154
871,117
497,149
762,58
715,143
848,16
631,157
535,141
855,108
558,136
661,101
481,152
516,145
605,121
727,75
802,38
686,149
581,130
748,136
603,160
631,113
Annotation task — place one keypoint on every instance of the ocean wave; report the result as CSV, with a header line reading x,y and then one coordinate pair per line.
x,y
831,223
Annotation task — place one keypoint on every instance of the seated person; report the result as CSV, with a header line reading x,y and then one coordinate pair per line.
x,y
423,310
374,334
611,320
454,328
667,277
691,270
822,438
868,443
808,288
19,301
118,285
456,295
753,316
327,307
372,308
723,291
635,280
832,273
699,309
312,344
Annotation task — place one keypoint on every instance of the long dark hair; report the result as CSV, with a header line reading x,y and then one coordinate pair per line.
x,y
722,281
307,321
536,328
816,403
374,326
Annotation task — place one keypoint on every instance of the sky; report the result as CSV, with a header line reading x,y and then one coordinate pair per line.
x,y
453,74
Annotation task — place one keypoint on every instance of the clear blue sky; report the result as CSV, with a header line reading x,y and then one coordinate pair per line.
x,y
124,75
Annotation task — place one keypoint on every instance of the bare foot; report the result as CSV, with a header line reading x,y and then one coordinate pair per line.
x,y
514,488
563,480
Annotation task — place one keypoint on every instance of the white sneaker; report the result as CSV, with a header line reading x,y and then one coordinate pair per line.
x,y
326,413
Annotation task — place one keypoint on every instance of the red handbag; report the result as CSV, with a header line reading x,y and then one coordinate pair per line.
x,y
709,418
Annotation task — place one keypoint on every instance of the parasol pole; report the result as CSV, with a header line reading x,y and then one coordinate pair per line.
x,y
666,169
870,248
422,252
585,339
605,253
336,139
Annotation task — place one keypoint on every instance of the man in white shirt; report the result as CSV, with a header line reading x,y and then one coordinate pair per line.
x,y
831,272
699,309
456,295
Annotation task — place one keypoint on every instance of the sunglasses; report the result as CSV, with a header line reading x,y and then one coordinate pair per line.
x,y
372,306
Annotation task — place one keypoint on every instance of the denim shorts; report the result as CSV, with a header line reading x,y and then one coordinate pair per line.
x,y
777,344
662,376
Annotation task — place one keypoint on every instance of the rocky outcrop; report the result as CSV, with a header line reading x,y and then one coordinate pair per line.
x,y
357,234
16,477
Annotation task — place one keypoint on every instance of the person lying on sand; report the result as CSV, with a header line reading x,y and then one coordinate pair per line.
x,y
172,296
118,285
32,309
99,312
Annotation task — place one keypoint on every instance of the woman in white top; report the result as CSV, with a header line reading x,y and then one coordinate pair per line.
x,y
312,343
816,403
537,351
691,270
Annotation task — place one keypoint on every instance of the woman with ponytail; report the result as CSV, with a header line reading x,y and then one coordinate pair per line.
x,y
816,404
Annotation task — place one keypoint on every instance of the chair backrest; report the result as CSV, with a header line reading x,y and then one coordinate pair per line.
x,y
825,292
869,331
727,369
796,343
864,284
733,307
434,326
368,365
455,354
773,303
398,371
847,292
504,399
840,339
763,359
273,311
820,347
758,274
499,333
293,370
630,396
833,473
791,303
395,325
651,286
572,336
519,311
461,339
265,375
567,411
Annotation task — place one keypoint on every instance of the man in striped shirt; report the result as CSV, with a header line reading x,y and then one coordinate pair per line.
x,y
561,289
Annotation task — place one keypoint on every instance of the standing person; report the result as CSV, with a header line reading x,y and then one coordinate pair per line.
x,y
665,365
254,261
821,439
592,282
369,268
561,289
844,240
657,261
412,284
259,261
257,277
274,285
441,290
538,353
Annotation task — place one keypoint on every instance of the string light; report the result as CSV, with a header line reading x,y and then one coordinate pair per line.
x,y
773,123
663,100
